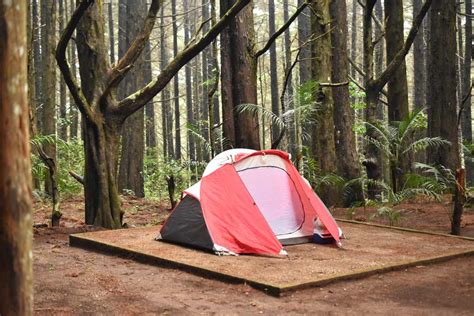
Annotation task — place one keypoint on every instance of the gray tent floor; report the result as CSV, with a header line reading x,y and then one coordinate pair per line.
x,y
368,249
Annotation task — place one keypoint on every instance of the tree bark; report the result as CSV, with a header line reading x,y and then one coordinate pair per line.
x,y
177,114
345,141
16,290
379,44
273,70
304,33
239,78
466,122
419,61
48,20
73,113
62,132
133,143
188,80
323,145
397,91
167,115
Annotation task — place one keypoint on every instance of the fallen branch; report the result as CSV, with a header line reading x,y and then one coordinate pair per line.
x,y
77,177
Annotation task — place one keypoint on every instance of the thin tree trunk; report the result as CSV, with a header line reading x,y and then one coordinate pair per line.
x,y
288,97
62,133
379,38
177,115
37,64
111,32
150,123
167,115
304,33
73,113
323,146
273,70
16,290
48,20
419,61
188,80
466,122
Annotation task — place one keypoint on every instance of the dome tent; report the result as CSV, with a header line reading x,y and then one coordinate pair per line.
x,y
248,201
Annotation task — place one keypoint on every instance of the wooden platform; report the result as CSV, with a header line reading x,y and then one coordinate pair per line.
x,y
368,249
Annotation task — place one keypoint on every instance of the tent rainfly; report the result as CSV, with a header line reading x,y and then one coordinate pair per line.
x,y
249,202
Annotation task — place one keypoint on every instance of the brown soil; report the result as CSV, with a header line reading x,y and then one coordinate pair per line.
x,y
69,280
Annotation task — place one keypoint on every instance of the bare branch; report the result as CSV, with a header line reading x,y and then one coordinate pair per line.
x,y
119,71
282,29
138,99
380,82
76,92
334,84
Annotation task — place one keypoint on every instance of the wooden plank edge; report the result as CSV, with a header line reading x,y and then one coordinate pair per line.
x,y
405,229
376,270
75,240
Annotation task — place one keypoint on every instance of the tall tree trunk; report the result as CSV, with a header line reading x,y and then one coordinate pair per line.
x,y
167,115
323,146
73,113
419,61
239,78
354,31
379,39
48,20
345,141
62,133
110,23
101,137
150,124
133,146
397,92
273,70
466,121
304,33
16,290
205,67
37,64
177,115
442,114
288,97
189,93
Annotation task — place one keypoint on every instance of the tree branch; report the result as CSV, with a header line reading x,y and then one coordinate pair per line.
x,y
137,100
282,29
122,67
380,82
76,92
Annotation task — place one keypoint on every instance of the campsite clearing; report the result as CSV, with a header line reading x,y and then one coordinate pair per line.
x,y
368,250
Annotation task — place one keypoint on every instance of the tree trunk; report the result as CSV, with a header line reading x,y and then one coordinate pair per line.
x,y
442,113
133,143
304,33
345,141
16,290
288,97
397,92
37,65
111,32
273,70
239,78
379,39
419,61
167,115
466,121
188,80
150,122
73,113
101,133
323,146
62,133
48,20
177,114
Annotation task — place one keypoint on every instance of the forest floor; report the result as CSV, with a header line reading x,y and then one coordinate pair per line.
x,y
70,280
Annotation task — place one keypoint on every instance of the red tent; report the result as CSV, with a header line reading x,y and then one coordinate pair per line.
x,y
248,202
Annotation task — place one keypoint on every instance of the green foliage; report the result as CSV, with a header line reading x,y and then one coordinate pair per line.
x,y
70,157
393,216
312,172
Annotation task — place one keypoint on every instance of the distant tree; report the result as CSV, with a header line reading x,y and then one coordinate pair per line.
x,y
133,143
374,85
48,42
62,126
103,114
16,290
273,70
177,115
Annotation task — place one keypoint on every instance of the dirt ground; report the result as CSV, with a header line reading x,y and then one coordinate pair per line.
x,y
74,281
